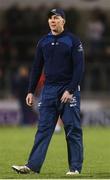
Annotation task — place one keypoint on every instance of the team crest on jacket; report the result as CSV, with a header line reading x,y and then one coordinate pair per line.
x,y
73,102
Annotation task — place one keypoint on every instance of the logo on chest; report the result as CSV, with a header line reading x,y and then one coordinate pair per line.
x,y
54,43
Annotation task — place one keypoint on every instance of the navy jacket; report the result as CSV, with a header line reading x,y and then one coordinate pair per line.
x,y
61,56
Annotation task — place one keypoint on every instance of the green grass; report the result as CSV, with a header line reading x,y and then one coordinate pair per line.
x,y
16,143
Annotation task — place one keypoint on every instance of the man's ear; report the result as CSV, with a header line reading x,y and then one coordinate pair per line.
x,y
64,21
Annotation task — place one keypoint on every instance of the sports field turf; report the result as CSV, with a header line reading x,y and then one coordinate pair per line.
x,y
16,143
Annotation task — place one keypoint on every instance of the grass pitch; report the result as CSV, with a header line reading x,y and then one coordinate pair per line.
x,y
16,143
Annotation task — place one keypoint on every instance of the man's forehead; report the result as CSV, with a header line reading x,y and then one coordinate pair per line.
x,y
55,16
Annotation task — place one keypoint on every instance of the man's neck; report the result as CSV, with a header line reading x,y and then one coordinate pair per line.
x,y
57,32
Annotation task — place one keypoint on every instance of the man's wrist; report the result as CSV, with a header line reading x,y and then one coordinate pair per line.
x,y
69,90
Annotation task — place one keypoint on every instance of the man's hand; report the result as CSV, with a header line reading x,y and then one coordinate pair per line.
x,y
29,99
66,97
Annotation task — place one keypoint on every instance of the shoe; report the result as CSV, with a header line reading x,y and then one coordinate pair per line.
x,y
72,173
21,169
57,128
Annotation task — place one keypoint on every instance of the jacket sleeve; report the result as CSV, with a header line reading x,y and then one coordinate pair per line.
x,y
36,69
78,66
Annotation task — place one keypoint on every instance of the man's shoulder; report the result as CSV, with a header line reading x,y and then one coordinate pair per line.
x,y
76,42
44,40
72,36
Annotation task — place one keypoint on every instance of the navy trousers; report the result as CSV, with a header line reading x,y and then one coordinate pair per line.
x,y
50,108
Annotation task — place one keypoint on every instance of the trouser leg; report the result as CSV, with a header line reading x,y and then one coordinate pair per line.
x,y
73,132
46,126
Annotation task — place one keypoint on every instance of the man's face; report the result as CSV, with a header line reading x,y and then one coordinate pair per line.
x,y
56,23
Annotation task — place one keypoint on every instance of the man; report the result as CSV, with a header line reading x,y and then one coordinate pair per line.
x,y
61,55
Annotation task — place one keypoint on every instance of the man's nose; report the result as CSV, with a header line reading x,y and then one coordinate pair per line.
x,y
52,20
